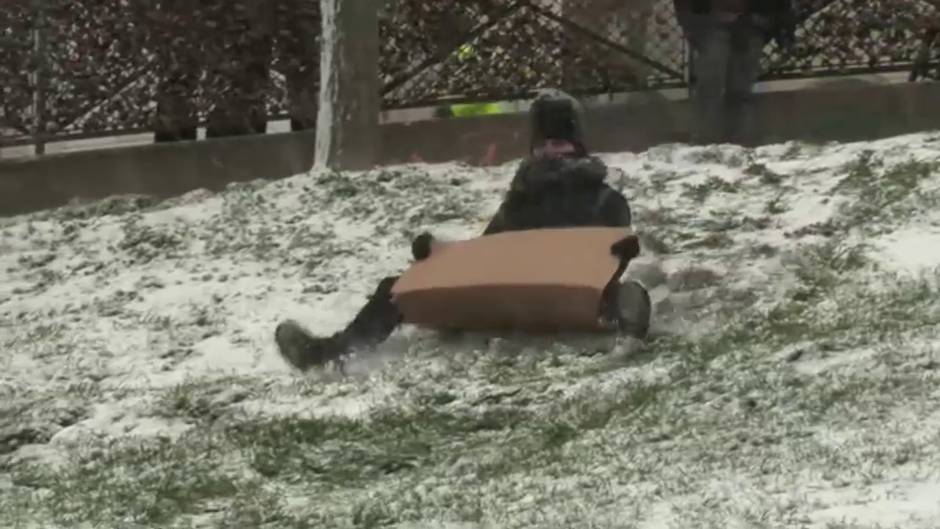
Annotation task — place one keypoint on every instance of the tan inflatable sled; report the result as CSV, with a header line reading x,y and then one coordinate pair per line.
x,y
536,280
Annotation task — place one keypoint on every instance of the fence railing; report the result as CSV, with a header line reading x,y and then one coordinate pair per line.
x,y
74,69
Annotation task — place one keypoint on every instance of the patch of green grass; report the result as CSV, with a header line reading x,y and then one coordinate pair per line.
x,y
260,507
731,221
766,175
659,181
711,154
883,194
385,467
764,251
775,205
699,193
142,483
850,316
339,451
154,483
861,171
828,398
794,150
595,411
145,243
820,267
392,506
418,197
711,241
201,401
656,217
833,302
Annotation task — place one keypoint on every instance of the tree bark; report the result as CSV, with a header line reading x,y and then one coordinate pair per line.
x,y
348,117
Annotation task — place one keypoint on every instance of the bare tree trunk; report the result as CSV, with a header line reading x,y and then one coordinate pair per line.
x,y
348,117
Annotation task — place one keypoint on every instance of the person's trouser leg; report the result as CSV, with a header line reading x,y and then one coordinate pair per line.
x,y
175,118
302,101
239,77
743,71
712,58
376,320
178,67
298,58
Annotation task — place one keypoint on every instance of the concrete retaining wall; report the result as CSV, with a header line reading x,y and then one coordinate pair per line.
x,y
841,113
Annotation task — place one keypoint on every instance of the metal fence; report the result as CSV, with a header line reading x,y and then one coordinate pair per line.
x,y
102,67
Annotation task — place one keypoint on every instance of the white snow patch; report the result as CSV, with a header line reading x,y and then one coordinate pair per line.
x,y
885,505
135,327
910,251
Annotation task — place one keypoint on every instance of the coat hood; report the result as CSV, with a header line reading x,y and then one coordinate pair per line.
x,y
555,115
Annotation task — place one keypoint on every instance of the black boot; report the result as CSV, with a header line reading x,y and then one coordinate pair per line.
x,y
304,350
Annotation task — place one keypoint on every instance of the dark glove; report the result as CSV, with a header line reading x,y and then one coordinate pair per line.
x,y
421,246
626,248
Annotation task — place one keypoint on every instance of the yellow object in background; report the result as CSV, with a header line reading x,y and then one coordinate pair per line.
x,y
465,51
466,110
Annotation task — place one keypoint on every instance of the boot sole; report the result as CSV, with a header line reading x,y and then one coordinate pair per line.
x,y
635,309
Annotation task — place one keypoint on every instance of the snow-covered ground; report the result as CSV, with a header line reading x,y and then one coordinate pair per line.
x,y
792,381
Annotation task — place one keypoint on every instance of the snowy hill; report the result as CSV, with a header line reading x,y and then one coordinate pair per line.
x,y
792,381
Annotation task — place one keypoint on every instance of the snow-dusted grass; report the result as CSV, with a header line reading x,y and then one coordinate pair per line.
x,y
792,381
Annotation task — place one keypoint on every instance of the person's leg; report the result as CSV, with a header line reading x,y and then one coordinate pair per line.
x,y
178,68
297,59
371,326
240,77
175,117
377,319
712,55
743,71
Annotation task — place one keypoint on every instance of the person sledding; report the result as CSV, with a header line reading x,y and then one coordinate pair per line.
x,y
558,185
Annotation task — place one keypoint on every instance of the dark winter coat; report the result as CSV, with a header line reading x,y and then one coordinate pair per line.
x,y
560,193
775,18
769,8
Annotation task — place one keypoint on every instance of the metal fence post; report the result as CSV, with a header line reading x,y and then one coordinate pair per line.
x,y
40,61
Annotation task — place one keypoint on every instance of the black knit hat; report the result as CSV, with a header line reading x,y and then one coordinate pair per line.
x,y
555,115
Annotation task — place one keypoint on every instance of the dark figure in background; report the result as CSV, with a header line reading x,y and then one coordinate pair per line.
x,y
922,67
727,38
226,52
230,54
558,185
171,25
298,58
239,69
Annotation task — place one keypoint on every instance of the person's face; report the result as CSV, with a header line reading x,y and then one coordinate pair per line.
x,y
553,148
